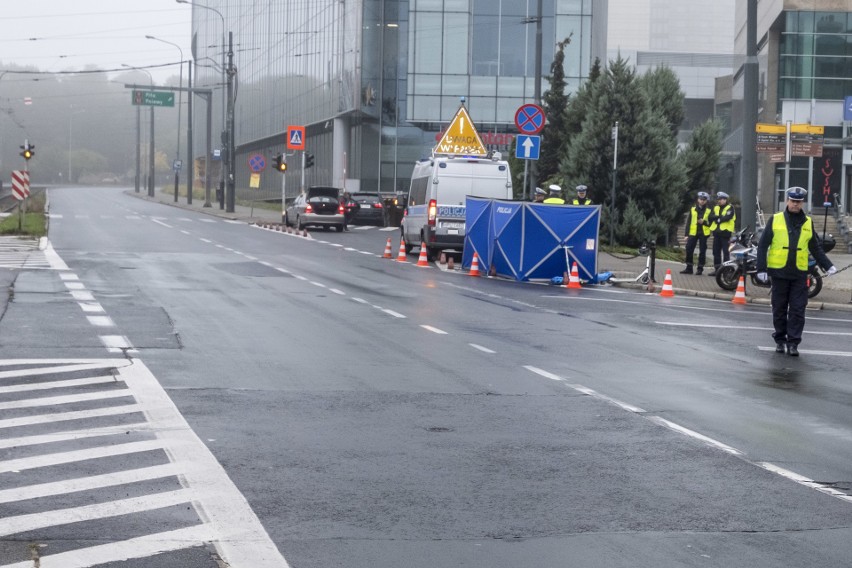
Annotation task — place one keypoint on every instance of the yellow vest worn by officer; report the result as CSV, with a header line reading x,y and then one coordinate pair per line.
x,y
728,225
554,198
577,201
779,248
693,222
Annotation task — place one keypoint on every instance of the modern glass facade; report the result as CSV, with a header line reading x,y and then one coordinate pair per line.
x,y
815,55
374,81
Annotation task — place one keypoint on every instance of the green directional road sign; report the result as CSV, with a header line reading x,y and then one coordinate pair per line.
x,y
153,98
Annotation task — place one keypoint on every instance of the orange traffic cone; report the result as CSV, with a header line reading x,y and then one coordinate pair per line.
x,y
388,253
574,278
474,266
667,291
740,297
423,259
402,257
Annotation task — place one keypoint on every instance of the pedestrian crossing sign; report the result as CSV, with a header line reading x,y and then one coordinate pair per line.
x,y
295,137
461,138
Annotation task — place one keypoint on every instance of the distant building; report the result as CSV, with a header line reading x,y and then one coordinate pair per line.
x,y
805,63
375,81
694,38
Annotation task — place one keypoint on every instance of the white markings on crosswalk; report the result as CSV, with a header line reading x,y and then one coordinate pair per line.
x,y
116,343
192,476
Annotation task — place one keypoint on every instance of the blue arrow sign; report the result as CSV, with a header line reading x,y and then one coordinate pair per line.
x,y
527,147
847,108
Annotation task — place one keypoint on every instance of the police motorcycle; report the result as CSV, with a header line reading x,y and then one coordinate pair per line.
x,y
744,262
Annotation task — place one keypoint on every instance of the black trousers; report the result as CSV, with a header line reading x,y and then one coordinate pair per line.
x,y
789,299
691,241
721,240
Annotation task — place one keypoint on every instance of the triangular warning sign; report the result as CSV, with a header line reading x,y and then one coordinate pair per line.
x,y
461,138
296,138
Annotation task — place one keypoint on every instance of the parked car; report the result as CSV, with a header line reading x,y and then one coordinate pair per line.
x,y
318,206
371,211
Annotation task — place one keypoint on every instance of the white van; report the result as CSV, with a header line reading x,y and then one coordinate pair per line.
x,y
436,199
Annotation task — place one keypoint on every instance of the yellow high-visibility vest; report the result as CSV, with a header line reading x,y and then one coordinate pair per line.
x,y
554,200
585,201
727,225
776,256
693,221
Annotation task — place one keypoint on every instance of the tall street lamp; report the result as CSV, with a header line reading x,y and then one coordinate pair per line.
x,y
180,104
151,141
71,136
223,83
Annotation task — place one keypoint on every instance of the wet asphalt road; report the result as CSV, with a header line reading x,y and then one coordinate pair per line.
x,y
374,413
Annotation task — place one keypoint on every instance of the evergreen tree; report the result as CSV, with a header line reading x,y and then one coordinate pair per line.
x,y
554,103
662,88
701,160
649,173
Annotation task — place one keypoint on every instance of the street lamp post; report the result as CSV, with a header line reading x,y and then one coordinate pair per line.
x,y
227,159
71,136
180,104
151,141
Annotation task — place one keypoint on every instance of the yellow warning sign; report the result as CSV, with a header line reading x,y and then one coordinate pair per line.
x,y
461,138
254,181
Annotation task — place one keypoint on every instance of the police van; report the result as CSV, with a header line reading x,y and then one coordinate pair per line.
x,y
435,212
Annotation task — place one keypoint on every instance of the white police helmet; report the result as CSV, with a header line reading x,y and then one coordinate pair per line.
x,y
581,188
554,188
703,195
540,191
721,195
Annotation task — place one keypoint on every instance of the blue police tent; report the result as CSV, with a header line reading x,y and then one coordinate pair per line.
x,y
529,241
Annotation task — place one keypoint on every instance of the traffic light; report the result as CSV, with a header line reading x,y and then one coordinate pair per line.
x,y
27,150
309,160
280,163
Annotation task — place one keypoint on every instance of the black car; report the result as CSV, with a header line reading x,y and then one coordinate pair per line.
x,y
371,211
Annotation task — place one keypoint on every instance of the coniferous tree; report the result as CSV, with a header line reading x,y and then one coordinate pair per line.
x,y
662,87
701,159
554,103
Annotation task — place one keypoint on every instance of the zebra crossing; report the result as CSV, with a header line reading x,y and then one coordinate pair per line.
x,y
18,253
97,444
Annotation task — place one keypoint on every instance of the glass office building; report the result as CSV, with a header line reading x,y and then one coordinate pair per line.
x,y
375,81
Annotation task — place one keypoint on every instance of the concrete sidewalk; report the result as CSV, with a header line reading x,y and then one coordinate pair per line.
x,y
836,291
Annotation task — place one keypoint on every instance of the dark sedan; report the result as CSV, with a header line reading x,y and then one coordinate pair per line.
x,y
371,211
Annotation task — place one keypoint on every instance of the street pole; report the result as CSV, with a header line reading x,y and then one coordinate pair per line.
x,y
138,150
190,161
751,80
612,193
231,191
151,156
537,88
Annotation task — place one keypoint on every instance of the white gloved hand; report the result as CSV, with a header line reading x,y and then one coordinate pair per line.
x,y
762,277
831,270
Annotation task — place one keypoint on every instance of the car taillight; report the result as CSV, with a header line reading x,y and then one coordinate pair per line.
x,y
432,212
377,205
308,208
341,209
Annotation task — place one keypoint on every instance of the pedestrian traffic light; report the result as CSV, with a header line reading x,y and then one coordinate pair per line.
x,y
27,150
280,163
309,160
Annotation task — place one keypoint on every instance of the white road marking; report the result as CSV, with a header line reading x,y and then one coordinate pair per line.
x,y
234,222
318,284
393,313
69,366
543,373
434,329
91,307
807,482
75,285
67,399
101,321
360,300
73,435
68,416
82,296
744,327
388,228
207,220
481,348
264,263
284,270
186,232
208,241
814,352
157,221
57,384
53,258
68,276
338,292
55,216
45,519
115,343
47,460
693,434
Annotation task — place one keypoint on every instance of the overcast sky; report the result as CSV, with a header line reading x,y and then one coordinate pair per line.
x,y
60,35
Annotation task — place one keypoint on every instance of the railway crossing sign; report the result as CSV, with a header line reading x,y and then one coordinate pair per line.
x,y
21,184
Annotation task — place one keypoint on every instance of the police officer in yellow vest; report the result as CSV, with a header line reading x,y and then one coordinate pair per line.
x,y
697,231
724,218
554,198
783,254
581,196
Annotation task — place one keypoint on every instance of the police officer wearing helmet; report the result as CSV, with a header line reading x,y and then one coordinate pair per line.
x,y
581,196
539,195
554,198
724,218
783,254
697,231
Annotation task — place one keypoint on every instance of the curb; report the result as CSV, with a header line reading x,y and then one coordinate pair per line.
x,y
727,296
